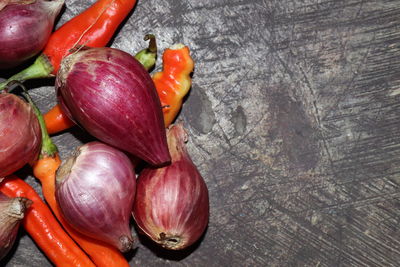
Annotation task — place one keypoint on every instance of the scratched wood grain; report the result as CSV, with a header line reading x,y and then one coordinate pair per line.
x,y
294,117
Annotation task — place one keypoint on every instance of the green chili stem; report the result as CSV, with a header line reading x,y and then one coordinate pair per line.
x,y
41,68
147,57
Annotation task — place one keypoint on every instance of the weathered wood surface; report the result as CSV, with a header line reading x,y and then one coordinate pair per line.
x,y
294,117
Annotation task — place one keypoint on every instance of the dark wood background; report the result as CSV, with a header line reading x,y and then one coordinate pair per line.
x,y
294,116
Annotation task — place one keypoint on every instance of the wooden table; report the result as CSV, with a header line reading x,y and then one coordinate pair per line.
x,y
294,122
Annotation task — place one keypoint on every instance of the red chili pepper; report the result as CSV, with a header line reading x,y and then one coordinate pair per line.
x,y
94,27
44,229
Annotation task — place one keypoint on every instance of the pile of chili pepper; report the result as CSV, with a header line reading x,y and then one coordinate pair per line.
x,y
94,27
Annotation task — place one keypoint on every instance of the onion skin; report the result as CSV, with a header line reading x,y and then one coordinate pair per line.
x,y
25,27
171,205
20,135
95,190
12,211
110,94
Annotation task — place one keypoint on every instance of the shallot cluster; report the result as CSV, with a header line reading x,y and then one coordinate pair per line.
x,y
109,94
96,190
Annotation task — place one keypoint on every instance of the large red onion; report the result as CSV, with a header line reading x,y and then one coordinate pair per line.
x,y
171,205
12,211
95,191
25,27
20,135
113,97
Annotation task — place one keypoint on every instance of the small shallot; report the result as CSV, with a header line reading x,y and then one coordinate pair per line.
x,y
25,27
12,211
20,135
95,191
171,205
112,96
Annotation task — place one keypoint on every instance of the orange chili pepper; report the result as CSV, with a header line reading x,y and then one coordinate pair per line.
x,y
56,121
174,81
44,169
44,228
94,27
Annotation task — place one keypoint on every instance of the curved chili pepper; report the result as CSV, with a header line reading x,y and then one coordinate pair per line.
x,y
44,228
44,169
174,81
94,27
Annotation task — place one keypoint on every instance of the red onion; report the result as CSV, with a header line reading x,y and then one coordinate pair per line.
x,y
20,135
171,205
95,191
12,211
25,27
113,97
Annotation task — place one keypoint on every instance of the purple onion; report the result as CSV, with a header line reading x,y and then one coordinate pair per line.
x,y
171,205
25,27
20,135
95,189
12,211
110,94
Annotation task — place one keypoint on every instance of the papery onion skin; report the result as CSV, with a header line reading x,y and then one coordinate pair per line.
x,y
95,191
110,94
25,27
12,211
172,205
20,135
